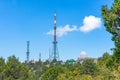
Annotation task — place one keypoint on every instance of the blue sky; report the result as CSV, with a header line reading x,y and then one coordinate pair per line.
x,y
23,20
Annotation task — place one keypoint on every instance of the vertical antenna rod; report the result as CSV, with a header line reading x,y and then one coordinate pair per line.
x,y
39,57
55,26
55,42
28,44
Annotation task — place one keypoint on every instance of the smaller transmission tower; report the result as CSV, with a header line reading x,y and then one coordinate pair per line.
x,y
28,52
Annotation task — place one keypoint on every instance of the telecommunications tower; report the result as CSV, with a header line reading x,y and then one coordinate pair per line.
x,y
55,53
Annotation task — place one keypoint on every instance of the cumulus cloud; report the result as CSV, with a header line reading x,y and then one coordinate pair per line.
x,y
90,23
63,30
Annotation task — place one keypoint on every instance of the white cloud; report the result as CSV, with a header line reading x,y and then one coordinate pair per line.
x,y
63,30
90,23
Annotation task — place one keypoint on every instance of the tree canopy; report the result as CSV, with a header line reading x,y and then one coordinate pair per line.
x,y
111,17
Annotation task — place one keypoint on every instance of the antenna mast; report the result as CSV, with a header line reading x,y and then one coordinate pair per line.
x,y
55,54
28,45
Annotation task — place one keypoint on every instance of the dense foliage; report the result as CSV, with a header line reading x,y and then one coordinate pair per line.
x,y
111,17
12,69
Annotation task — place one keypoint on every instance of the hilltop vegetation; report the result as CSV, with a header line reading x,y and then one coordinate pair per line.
x,y
12,69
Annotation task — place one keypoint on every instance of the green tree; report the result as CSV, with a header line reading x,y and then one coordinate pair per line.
x,y
102,65
88,67
16,71
2,68
70,75
111,17
46,62
52,73
105,59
